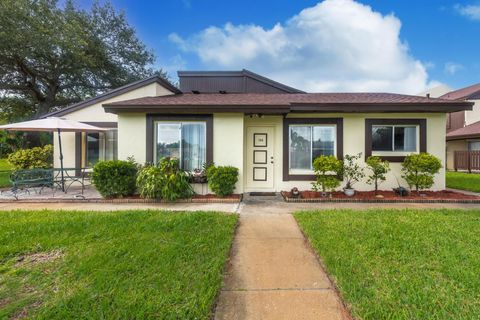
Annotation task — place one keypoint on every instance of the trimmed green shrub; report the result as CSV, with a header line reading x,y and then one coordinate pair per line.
x,y
420,169
327,170
36,157
115,178
165,181
379,169
222,179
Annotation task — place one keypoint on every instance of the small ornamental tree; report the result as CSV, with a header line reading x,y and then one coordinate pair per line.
x,y
419,170
327,171
352,171
379,169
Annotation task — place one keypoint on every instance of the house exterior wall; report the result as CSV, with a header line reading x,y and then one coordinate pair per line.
x,y
132,136
354,143
228,143
452,146
95,113
474,114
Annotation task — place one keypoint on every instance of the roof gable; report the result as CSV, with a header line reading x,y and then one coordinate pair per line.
x,y
243,81
113,93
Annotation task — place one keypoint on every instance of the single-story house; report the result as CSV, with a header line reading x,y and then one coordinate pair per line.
x,y
269,131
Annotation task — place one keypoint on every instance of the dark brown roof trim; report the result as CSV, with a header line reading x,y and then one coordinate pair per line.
x,y
242,73
316,108
199,109
113,93
382,107
463,137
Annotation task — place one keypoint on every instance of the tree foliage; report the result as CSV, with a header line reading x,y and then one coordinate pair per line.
x,y
52,55
327,171
419,170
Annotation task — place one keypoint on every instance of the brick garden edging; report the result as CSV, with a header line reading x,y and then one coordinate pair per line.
x,y
332,200
101,200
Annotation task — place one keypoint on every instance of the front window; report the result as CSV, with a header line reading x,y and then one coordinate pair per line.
x,y
100,146
185,141
474,145
308,142
394,138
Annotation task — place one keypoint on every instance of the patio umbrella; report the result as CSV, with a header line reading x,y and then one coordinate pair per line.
x,y
53,124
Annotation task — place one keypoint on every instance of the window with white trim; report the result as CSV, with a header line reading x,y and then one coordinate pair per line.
x,y
185,141
307,142
395,138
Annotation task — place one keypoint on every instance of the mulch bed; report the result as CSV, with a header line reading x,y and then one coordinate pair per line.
x,y
206,198
382,196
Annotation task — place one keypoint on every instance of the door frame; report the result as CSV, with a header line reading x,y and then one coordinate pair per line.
x,y
272,140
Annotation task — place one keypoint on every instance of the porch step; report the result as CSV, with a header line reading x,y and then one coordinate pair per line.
x,y
265,197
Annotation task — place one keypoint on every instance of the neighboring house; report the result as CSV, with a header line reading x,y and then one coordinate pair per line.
x,y
463,127
269,131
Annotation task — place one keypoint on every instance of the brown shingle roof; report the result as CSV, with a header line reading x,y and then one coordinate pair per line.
x,y
470,131
281,99
467,93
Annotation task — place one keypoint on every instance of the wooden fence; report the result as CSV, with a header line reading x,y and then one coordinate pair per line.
x,y
466,160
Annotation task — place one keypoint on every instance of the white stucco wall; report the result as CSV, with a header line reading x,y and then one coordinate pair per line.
x,y
96,113
132,136
354,142
473,115
228,142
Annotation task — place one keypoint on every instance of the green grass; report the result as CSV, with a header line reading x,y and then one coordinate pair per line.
x,y
5,170
463,181
409,264
115,265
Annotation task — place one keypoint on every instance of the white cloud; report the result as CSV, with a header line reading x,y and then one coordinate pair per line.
x,y
470,11
452,68
336,45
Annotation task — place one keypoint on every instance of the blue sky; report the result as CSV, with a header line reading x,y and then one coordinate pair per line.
x,y
340,45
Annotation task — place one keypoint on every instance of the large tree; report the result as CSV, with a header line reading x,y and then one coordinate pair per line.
x,y
52,55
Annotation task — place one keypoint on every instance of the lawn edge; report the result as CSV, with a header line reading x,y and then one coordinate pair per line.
x,y
225,267
346,308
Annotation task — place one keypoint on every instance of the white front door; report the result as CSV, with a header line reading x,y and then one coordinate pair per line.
x,y
259,148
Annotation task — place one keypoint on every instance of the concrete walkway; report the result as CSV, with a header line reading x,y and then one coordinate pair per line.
x,y
273,274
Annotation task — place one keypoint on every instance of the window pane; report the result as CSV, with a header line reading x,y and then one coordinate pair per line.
x,y
111,145
323,141
382,138
300,147
474,146
93,148
193,146
168,140
405,138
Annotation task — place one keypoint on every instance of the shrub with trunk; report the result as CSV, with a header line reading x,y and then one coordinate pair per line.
x,y
379,168
420,169
327,170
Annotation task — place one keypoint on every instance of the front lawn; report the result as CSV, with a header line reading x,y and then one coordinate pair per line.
x,y
5,170
463,181
393,264
115,265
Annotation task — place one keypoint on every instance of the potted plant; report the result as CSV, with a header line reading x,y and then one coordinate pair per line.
x,y
352,173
